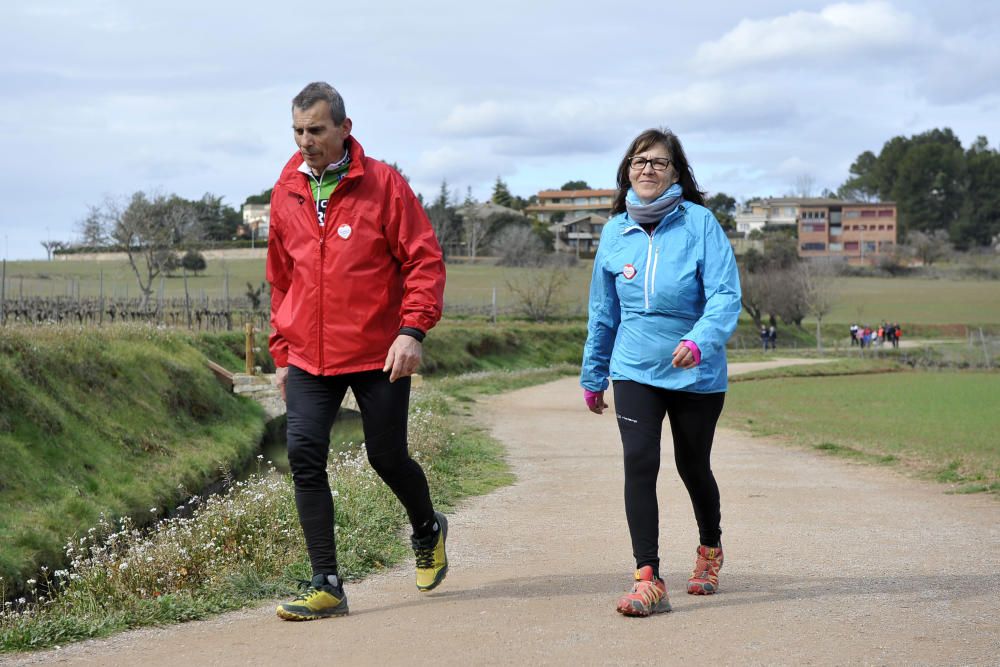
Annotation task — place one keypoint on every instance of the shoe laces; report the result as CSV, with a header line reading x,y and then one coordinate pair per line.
x,y
648,591
307,589
424,555
703,567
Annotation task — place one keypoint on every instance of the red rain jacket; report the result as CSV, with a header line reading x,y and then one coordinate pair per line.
x,y
340,293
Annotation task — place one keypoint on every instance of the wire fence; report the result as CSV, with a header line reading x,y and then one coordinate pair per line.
x,y
205,316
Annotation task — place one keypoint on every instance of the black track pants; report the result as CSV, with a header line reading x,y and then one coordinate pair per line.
x,y
640,410
312,404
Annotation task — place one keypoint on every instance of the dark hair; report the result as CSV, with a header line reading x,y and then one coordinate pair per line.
x,y
321,91
685,175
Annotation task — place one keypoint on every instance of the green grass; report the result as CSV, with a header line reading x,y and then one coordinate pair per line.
x,y
468,285
112,421
917,300
67,278
246,545
908,300
461,346
467,386
829,368
941,424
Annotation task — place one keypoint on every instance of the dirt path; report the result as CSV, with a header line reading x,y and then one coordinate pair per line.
x,y
827,562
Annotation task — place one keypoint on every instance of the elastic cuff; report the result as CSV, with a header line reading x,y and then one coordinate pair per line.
x,y
691,345
413,332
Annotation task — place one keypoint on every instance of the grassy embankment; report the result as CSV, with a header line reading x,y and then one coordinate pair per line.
x,y
120,422
245,545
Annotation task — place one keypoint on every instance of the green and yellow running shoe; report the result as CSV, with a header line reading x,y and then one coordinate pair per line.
x,y
432,561
318,600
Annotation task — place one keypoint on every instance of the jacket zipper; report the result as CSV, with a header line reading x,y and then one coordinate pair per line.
x,y
645,277
322,262
319,319
656,261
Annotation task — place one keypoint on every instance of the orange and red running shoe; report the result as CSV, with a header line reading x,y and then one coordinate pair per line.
x,y
648,596
705,577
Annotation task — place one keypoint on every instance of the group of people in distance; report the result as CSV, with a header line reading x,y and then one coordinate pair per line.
x,y
357,281
886,333
769,338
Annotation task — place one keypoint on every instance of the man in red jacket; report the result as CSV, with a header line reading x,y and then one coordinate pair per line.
x,y
357,280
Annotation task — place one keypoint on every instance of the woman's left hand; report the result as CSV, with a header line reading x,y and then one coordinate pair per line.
x,y
683,357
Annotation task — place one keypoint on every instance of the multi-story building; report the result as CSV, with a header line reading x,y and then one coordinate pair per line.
x,y
576,217
580,235
257,220
561,205
774,212
858,232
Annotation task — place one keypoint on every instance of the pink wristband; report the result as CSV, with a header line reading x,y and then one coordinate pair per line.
x,y
590,398
691,345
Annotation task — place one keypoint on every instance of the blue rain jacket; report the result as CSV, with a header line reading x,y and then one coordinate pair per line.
x,y
649,292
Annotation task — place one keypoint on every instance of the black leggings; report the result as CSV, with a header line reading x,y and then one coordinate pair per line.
x,y
640,409
312,405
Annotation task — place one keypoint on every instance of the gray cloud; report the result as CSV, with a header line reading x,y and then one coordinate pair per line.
x,y
192,96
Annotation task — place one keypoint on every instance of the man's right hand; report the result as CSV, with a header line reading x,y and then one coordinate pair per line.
x,y
280,379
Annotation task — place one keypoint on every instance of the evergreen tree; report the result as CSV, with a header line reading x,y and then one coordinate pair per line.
x,y
445,220
979,221
501,194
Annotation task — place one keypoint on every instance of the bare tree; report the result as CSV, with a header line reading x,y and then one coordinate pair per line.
x,y
805,185
52,246
519,246
929,248
753,288
482,223
819,291
784,296
537,293
149,229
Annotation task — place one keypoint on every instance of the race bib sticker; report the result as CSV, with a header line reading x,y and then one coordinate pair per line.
x,y
628,272
344,231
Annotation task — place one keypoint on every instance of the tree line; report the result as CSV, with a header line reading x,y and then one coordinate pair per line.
x,y
940,189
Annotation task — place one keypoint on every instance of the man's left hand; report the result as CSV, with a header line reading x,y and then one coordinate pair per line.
x,y
403,358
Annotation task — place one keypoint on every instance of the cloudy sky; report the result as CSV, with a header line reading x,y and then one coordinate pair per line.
x,y
106,97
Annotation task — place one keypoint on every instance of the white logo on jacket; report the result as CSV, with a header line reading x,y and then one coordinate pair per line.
x,y
344,231
629,272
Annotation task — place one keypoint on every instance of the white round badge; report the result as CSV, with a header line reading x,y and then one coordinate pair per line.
x,y
628,272
344,231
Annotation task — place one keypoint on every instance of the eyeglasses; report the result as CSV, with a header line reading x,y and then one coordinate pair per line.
x,y
658,163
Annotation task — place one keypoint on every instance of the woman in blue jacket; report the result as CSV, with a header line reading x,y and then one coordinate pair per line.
x,y
664,299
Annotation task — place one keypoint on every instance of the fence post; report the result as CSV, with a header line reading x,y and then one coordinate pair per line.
x,y
986,351
3,293
225,293
249,348
100,301
187,297
494,304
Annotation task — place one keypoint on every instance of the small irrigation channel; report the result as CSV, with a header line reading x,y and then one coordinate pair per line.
x,y
271,453
347,435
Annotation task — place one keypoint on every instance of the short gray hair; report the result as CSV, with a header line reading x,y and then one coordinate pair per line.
x,y
321,91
